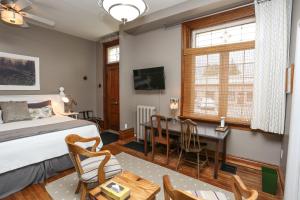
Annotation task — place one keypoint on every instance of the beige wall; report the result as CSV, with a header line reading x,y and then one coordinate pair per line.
x,y
163,47
64,60
295,20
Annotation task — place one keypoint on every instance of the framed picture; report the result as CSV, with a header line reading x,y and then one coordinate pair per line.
x,y
289,79
18,72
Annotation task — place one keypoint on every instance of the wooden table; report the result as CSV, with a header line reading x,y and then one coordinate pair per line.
x,y
206,131
141,189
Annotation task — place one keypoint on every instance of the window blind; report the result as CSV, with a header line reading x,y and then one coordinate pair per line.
x,y
218,79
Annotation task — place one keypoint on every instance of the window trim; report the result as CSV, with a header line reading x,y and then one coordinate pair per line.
x,y
243,13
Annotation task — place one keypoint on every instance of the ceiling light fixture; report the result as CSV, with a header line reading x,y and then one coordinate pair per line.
x,y
124,10
12,17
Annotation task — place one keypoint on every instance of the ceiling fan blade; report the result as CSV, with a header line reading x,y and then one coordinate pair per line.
x,y
38,19
2,6
21,4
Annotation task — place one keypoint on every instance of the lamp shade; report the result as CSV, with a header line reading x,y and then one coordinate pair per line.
x,y
12,17
174,104
124,10
65,99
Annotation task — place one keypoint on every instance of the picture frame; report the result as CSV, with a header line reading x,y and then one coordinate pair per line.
x,y
289,81
19,72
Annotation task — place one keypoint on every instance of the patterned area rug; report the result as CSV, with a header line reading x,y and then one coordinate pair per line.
x,y
64,188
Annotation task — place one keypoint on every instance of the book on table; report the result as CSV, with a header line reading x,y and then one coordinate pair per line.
x,y
222,129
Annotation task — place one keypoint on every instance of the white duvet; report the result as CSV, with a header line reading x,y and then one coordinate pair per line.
x,y
18,153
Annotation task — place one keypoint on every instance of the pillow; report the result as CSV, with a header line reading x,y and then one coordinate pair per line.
x,y
39,113
1,121
13,111
39,104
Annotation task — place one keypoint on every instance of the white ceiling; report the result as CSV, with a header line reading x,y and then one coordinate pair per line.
x,y
84,18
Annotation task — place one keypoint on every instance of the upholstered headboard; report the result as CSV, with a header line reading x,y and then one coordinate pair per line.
x,y
57,103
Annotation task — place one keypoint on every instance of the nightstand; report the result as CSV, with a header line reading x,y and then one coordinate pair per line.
x,y
71,114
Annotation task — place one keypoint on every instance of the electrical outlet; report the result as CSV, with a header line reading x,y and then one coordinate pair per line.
x,y
126,126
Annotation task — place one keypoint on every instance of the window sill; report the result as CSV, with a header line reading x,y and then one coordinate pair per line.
x,y
238,126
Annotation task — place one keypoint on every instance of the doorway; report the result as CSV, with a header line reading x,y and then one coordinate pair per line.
x,y
111,53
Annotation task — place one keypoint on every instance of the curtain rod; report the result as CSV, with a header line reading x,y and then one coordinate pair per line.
x,y
211,14
226,10
222,11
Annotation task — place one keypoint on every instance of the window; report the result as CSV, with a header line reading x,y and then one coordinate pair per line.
x,y
232,33
113,54
218,70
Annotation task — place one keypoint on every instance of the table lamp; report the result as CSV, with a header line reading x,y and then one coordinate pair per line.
x,y
68,100
174,106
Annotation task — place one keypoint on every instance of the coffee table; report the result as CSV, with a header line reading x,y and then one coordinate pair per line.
x,y
141,189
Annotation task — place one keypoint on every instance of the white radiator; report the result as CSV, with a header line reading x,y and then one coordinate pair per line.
x,y
143,115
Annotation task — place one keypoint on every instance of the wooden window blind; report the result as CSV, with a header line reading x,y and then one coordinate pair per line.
x,y
217,73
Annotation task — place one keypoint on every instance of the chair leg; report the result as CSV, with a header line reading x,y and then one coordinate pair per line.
x,y
78,187
198,165
153,149
179,159
168,149
206,155
84,191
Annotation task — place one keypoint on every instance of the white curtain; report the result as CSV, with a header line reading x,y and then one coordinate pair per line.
x,y
273,20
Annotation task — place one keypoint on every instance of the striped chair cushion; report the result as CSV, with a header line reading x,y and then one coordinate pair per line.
x,y
90,167
209,195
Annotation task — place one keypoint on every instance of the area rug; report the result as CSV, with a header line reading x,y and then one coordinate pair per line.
x,y
109,136
64,188
137,146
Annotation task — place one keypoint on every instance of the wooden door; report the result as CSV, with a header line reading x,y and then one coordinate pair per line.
x,y
111,90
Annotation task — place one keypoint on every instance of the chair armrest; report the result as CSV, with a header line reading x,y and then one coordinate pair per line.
x,y
106,153
101,172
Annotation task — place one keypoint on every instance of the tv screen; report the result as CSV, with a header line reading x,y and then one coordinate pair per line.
x,y
149,79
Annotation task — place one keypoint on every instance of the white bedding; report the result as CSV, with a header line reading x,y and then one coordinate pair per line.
x,y
18,153
32,123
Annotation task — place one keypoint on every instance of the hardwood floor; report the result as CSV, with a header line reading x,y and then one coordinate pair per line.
x,y
251,177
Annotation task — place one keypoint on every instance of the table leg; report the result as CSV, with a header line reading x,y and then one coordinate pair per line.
x,y
224,150
145,142
218,147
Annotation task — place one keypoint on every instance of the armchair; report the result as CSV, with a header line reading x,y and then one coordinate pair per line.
x,y
97,167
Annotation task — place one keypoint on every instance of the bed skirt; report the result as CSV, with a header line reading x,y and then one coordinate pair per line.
x,y
16,180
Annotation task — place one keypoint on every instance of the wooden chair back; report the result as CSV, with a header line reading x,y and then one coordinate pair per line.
x,y
189,139
173,194
75,151
241,191
158,120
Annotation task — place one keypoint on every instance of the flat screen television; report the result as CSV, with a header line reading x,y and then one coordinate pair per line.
x,y
149,78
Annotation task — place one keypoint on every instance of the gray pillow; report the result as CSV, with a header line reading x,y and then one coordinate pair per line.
x,y
40,104
14,111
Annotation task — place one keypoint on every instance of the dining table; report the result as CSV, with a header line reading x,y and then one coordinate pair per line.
x,y
206,131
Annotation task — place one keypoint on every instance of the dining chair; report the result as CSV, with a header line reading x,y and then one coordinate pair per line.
x,y
160,133
190,142
175,194
96,167
239,189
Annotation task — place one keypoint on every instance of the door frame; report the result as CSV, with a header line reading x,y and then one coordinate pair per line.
x,y
105,46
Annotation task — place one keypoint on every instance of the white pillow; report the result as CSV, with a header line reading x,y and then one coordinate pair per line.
x,y
1,121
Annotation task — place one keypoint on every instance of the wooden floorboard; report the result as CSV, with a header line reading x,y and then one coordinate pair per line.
x,y
251,177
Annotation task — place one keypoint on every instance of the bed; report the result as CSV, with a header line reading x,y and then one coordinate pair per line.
x,y
33,150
